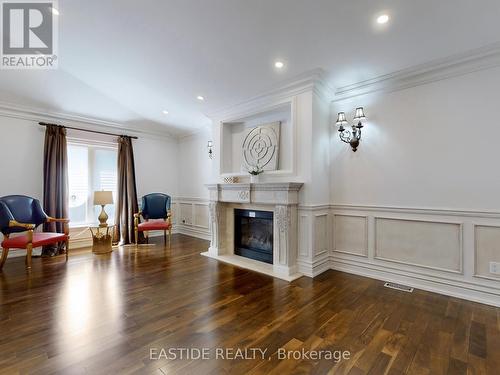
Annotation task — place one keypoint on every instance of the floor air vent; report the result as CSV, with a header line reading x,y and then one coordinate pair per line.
x,y
400,287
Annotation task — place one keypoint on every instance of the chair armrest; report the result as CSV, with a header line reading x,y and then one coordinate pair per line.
x,y
65,221
54,220
14,223
137,215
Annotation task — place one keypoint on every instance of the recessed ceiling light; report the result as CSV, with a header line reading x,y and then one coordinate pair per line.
x,y
165,112
279,64
384,18
200,98
55,11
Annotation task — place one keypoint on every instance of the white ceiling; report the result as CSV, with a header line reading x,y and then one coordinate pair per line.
x,y
126,61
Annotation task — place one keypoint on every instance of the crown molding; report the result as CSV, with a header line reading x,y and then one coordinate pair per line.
x,y
460,64
89,123
196,133
313,80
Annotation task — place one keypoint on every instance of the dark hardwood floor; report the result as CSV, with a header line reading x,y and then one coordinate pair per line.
x,y
105,314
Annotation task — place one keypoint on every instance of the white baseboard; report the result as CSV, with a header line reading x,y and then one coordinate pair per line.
x,y
488,296
192,231
313,269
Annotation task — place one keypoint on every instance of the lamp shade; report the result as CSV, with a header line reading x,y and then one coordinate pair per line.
x,y
102,198
360,114
341,120
210,144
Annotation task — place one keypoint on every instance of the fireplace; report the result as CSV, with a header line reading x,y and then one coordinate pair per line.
x,y
253,234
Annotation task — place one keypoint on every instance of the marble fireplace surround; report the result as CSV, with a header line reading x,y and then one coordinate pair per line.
x,y
280,198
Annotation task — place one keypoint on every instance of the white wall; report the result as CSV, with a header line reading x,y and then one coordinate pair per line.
x,y
194,165
156,165
190,207
421,193
21,161
430,146
22,143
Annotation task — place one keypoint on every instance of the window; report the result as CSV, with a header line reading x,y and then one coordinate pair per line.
x,y
91,167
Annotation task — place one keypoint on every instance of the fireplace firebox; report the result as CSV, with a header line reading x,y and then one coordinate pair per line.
x,y
253,234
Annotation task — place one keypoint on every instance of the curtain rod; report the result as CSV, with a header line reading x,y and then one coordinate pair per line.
x,y
87,130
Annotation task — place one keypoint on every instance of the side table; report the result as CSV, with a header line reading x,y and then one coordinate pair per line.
x,y
102,238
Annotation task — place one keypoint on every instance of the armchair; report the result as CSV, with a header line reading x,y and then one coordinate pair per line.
x,y
21,214
157,215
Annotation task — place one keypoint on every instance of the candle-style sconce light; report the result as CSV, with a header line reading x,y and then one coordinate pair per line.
x,y
353,135
210,149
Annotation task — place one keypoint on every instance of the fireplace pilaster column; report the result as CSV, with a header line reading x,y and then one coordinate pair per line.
x,y
285,239
216,227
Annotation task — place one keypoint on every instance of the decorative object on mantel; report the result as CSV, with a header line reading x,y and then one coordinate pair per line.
x,y
210,146
353,137
231,180
255,172
261,147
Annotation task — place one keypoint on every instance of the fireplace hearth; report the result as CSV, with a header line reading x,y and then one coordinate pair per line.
x,y
253,234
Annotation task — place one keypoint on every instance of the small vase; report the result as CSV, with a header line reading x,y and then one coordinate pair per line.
x,y
254,178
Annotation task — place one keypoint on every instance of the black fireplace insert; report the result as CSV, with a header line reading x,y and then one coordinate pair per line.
x,y
253,234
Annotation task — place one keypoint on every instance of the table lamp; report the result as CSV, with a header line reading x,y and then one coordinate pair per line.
x,y
102,198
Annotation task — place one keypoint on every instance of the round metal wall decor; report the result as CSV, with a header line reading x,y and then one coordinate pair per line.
x,y
261,147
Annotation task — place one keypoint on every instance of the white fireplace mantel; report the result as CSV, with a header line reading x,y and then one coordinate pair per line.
x,y
280,198
261,193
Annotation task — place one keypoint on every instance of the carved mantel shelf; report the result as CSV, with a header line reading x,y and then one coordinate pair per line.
x,y
280,198
275,193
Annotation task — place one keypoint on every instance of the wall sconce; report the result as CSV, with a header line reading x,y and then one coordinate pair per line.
x,y
351,136
210,149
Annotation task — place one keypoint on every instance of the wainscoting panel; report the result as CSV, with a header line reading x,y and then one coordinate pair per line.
x,y
350,234
304,235
320,234
201,215
436,245
487,249
314,239
438,250
192,218
175,213
186,213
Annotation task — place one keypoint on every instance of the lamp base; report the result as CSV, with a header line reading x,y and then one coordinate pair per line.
x,y
103,218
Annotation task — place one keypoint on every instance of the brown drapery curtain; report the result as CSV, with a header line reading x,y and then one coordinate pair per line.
x,y
126,202
55,182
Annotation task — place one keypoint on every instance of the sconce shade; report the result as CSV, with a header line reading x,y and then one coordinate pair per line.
x,y
341,119
102,198
360,114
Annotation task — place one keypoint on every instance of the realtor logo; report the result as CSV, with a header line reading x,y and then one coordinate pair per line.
x,y
29,34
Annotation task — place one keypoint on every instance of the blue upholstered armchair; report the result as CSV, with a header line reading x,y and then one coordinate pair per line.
x,y
157,215
21,214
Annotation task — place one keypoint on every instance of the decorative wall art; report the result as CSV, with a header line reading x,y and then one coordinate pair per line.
x,y
261,147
